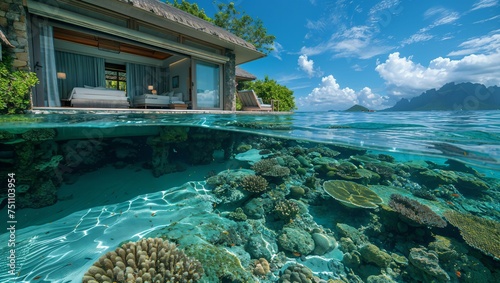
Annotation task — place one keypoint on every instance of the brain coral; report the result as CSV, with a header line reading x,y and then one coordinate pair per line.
x,y
480,233
352,194
148,260
415,211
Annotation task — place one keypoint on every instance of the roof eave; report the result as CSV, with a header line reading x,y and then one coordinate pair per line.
x,y
243,54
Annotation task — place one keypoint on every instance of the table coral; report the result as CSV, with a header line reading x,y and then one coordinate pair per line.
x,y
480,233
352,194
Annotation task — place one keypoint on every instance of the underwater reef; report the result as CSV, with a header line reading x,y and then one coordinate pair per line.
x,y
292,211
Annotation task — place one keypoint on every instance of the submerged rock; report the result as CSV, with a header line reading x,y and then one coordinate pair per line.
x,y
428,263
372,254
464,182
296,241
323,243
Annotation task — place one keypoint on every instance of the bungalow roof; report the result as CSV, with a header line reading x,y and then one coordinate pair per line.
x,y
244,75
186,23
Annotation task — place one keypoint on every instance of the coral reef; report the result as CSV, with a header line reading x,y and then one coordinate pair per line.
x,y
480,233
352,194
414,212
254,183
173,134
39,134
148,260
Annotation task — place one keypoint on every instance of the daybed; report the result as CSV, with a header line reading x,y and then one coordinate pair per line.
x,y
250,101
152,100
98,97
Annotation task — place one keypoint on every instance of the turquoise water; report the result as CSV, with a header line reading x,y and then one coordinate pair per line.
x,y
85,184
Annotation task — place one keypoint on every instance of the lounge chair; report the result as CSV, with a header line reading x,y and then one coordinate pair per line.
x,y
251,102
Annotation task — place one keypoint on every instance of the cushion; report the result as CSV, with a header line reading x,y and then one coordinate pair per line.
x,y
177,96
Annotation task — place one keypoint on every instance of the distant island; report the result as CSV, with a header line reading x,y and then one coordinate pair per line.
x,y
461,96
358,108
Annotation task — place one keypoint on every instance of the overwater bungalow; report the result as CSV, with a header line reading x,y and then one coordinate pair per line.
x,y
125,54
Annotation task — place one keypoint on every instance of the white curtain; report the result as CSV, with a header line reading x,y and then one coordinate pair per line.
x,y
51,91
80,70
139,77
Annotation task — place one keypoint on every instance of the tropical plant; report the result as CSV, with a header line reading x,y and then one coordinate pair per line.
x,y
234,21
244,26
15,87
192,9
269,89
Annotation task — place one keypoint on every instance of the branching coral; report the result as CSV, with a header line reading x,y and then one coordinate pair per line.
x,y
149,260
254,184
415,211
480,233
270,168
286,209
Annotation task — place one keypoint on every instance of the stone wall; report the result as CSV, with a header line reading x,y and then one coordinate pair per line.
x,y
229,95
13,22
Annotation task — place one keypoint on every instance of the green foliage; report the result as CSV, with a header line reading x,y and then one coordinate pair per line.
x,y
192,9
14,88
236,22
244,26
268,89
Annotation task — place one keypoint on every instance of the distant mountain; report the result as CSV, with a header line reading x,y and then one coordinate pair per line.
x,y
357,108
462,96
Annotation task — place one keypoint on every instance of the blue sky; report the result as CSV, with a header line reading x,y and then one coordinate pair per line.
x,y
334,54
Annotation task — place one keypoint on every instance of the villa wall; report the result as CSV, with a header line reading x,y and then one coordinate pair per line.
x,y
13,22
229,95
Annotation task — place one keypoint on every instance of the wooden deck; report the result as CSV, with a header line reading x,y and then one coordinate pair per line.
x,y
73,110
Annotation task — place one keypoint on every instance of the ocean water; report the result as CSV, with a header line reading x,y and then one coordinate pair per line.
x,y
310,197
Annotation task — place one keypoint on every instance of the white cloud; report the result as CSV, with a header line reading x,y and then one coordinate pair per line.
x,y
277,49
329,95
485,44
440,16
418,37
357,41
484,4
407,78
306,65
487,20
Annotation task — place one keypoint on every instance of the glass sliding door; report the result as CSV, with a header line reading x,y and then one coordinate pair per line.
x,y
208,85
